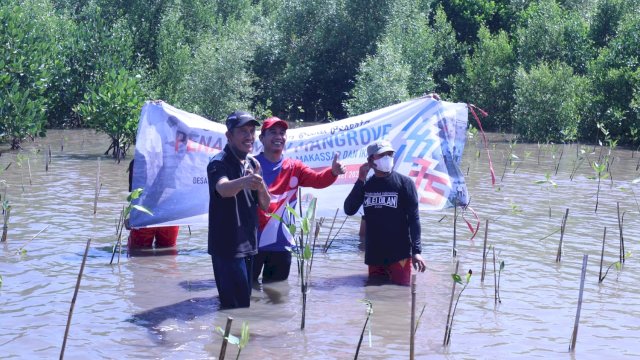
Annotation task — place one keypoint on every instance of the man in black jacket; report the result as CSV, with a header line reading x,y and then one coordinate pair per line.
x,y
236,189
390,202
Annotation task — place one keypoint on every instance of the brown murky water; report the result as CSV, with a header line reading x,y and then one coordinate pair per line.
x,y
164,306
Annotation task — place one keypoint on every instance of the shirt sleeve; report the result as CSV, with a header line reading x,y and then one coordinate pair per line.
x,y
315,179
355,198
216,171
413,217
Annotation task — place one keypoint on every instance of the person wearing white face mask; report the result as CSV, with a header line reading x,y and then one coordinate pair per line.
x,y
390,203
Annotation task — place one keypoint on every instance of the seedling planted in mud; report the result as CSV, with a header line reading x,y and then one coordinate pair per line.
x,y
366,322
240,342
600,170
303,249
548,185
457,279
6,213
124,219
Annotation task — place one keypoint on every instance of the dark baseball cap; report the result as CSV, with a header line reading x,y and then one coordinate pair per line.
x,y
240,118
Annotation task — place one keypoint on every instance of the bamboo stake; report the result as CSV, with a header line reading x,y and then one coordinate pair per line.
x,y
34,236
227,330
604,236
622,255
49,154
484,250
562,227
5,227
73,300
495,278
412,334
46,161
324,248
336,234
98,186
453,293
29,166
574,336
455,218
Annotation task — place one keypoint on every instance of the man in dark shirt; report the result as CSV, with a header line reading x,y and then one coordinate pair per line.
x,y
390,202
236,189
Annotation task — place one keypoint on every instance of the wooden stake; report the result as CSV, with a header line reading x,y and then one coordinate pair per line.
x,y
562,227
455,218
412,334
622,255
484,250
98,186
330,230
227,330
29,166
574,336
5,227
604,236
73,301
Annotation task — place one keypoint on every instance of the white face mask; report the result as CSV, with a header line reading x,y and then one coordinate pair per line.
x,y
384,164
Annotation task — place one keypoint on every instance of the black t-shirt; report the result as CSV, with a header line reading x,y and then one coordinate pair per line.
x,y
392,218
233,221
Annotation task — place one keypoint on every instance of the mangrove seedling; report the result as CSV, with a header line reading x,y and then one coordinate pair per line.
x,y
240,342
600,170
458,280
303,248
366,322
548,183
497,280
6,213
124,219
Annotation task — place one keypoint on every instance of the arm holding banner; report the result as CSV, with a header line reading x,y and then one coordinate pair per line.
x,y
413,217
356,197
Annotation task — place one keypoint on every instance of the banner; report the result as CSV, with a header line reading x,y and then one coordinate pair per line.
x,y
173,148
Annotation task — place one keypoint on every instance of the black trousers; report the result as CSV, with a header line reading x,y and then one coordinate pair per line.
x,y
274,266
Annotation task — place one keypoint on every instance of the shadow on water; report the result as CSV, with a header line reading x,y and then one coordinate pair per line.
x,y
182,311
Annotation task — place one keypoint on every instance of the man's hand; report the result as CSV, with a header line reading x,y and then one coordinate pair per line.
x,y
363,171
418,263
336,167
251,180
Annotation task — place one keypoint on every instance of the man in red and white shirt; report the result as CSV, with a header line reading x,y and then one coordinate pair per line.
x,y
283,176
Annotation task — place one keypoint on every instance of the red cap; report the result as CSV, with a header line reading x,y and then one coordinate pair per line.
x,y
273,121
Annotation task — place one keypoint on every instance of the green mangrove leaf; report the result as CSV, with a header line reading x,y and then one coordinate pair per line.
x,y
311,210
457,278
244,335
232,339
305,225
307,252
292,211
292,229
618,265
277,217
142,208
134,194
468,277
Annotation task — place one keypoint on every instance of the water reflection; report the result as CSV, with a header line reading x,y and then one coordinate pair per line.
x,y
157,305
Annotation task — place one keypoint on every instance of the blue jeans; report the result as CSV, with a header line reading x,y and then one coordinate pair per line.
x,y
233,280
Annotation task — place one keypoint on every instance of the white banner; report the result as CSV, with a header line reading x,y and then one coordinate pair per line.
x,y
173,148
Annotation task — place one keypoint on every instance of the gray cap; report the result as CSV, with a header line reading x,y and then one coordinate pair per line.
x,y
240,118
379,147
